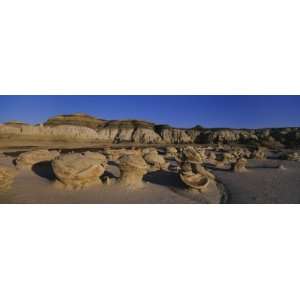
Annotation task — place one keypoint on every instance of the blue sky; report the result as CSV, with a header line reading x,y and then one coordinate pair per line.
x,y
179,111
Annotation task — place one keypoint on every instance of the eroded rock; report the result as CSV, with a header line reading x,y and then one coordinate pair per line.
x,y
156,161
195,176
7,176
133,168
77,171
28,159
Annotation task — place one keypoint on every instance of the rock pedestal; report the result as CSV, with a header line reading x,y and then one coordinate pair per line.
x,y
133,168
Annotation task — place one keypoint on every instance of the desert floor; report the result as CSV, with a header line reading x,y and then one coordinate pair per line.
x,y
38,186
264,182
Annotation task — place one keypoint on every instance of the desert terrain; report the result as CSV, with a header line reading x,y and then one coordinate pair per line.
x,y
81,159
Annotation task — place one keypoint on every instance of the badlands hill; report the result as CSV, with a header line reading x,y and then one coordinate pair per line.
x,y
85,128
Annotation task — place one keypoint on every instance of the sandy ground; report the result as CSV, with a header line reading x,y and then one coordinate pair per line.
x,y
263,183
38,186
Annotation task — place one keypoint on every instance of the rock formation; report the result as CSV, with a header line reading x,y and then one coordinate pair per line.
x,y
133,168
77,171
7,176
98,157
194,182
156,161
191,154
28,159
82,127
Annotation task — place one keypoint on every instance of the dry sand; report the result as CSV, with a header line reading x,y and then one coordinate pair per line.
x,y
264,182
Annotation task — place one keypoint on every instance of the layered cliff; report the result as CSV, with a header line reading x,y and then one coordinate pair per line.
x,y
82,127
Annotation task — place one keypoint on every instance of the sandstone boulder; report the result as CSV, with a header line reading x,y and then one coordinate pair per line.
x,y
77,171
98,157
28,159
156,161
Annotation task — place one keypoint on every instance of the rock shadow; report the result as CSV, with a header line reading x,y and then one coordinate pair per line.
x,y
44,170
165,178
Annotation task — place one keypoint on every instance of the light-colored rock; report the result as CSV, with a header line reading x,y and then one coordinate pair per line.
x,y
133,168
192,155
146,136
149,150
196,182
98,157
124,135
175,136
77,171
28,159
7,176
65,132
156,161
107,134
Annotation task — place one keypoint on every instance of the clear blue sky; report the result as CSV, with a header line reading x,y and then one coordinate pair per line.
x,y
179,111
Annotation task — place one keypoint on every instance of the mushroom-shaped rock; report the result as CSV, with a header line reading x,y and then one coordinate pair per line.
x,y
28,159
192,155
77,171
240,165
133,168
156,161
7,176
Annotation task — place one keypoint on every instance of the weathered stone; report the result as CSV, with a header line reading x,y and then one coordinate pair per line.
x,y
146,136
192,155
98,157
7,176
196,182
133,168
77,171
156,161
28,159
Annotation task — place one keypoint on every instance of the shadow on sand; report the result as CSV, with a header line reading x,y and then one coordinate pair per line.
x,y
44,170
164,178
